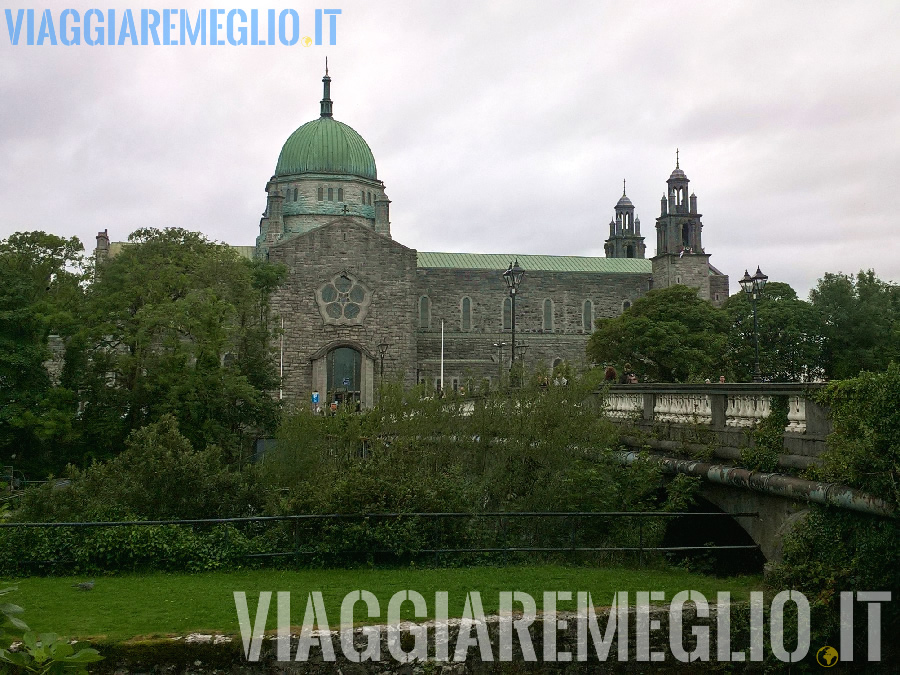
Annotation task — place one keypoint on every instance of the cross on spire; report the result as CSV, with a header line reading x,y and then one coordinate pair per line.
x,y
623,187
676,158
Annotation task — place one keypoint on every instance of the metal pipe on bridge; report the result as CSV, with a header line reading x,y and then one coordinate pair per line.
x,y
788,487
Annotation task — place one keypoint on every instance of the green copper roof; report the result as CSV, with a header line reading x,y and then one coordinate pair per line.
x,y
545,263
326,146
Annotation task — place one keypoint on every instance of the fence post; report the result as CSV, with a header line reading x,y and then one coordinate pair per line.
x,y
572,534
640,542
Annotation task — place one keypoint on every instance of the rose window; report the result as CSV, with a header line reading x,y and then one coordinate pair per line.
x,y
343,300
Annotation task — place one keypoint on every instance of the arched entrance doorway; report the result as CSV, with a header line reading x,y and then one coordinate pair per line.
x,y
343,372
344,376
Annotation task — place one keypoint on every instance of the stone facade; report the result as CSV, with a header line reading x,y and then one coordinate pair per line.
x,y
387,272
576,300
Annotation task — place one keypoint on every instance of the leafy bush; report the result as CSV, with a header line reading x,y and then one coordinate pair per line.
x,y
127,548
768,439
38,653
833,550
159,476
534,449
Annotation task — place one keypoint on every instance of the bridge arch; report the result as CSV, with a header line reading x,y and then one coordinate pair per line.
x,y
776,515
704,530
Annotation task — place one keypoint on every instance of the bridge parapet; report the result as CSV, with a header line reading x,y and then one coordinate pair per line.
x,y
671,415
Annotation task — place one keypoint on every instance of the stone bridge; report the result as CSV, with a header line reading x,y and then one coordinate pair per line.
x,y
702,430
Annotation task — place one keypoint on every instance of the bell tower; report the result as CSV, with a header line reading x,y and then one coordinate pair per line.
x,y
625,240
680,258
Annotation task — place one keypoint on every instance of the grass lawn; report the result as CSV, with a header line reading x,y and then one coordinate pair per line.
x,y
155,605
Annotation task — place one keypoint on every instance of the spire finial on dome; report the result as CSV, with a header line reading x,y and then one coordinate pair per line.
x,y
326,95
676,159
623,187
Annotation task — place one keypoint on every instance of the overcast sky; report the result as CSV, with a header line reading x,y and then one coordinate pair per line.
x,y
497,126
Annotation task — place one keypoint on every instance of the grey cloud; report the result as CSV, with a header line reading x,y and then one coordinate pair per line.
x,y
496,126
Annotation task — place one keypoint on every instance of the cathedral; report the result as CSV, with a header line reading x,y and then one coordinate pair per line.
x,y
358,306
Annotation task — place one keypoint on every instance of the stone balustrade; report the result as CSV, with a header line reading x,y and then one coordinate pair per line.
x,y
678,411
621,405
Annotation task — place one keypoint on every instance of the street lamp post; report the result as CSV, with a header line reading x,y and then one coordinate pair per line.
x,y
513,277
520,353
753,287
382,350
499,345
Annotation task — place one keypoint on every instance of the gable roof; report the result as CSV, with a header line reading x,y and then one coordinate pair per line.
x,y
543,263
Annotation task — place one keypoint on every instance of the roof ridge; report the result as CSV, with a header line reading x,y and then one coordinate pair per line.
x,y
534,262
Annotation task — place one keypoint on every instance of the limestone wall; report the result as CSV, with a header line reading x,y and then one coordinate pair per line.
x,y
471,353
385,268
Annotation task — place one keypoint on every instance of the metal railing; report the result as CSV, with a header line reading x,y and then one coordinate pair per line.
x,y
501,544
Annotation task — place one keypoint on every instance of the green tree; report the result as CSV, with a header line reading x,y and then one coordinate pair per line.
x,y
790,336
860,323
669,335
175,324
41,278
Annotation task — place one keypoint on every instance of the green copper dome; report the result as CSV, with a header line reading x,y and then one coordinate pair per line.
x,y
326,146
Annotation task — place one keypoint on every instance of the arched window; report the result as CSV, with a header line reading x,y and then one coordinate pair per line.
x,y
548,315
424,312
320,194
295,194
362,197
370,199
625,305
587,316
466,314
629,251
507,314
685,235
340,194
331,194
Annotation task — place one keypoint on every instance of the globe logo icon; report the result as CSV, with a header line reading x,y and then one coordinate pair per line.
x,y
827,656
306,41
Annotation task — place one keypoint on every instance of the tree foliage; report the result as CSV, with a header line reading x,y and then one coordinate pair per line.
x,y
860,323
669,335
175,324
864,448
41,278
790,336
832,550
158,476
